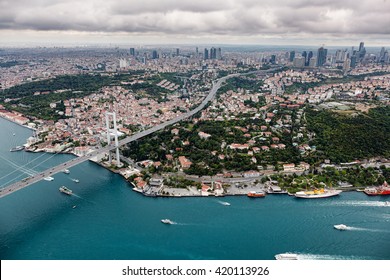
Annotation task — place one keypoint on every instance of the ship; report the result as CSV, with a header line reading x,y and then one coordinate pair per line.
x,y
48,178
321,193
66,171
65,190
17,148
255,194
383,189
340,227
286,256
76,180
167,221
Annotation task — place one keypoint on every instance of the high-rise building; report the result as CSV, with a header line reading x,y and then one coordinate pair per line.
x,y
132,51
154,54
177,52
353,61
213,53
347,64
309,56
219,54
304,55
361,46
313,62
206,54
273,59
292,56
321,56
299,62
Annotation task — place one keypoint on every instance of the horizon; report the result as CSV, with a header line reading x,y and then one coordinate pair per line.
x,y
233,22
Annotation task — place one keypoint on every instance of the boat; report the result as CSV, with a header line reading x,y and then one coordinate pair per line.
x,y
66,171
76,180
65,190
383,189
286,256
340,227
48,178
74,206
321,193
255,194
225,203
17,148
167,221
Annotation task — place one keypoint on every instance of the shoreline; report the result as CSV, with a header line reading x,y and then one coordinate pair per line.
x,y
14,122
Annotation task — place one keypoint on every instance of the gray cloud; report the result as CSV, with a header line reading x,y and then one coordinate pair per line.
x,y
201,17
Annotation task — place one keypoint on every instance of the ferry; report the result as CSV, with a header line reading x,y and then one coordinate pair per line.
x,y
340,227
48,178
321,193
286,256
255,194
167,221
66,171
65,190
384,189
17,148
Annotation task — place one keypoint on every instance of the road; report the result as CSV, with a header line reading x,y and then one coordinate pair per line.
x,y
59,168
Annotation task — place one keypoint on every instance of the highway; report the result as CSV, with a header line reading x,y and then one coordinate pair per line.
x,y
59,168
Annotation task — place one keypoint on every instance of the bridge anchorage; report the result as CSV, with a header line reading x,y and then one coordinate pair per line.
x,y
113,132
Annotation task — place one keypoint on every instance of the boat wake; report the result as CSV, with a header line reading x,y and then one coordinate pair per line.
x,y
324,257
364,229
362,203
223,203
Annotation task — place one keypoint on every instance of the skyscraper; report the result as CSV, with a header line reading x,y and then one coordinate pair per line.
x,y
304,55
206,54
321,56
219,54
213,53
309,56
154,54
132,51
177,52
292,56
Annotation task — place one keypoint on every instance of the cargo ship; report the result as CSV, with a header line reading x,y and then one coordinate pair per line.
x,y
383,189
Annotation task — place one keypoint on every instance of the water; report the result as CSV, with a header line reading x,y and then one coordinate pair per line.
x,y
111,221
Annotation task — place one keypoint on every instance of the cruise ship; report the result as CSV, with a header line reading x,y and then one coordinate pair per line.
x,y
321,193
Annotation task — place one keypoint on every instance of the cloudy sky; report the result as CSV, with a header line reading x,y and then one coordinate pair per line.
x,y
298,22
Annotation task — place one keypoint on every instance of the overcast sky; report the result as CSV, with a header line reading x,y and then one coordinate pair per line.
x,y
299,22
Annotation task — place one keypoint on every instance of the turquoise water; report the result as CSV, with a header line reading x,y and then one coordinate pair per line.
x,y
111,221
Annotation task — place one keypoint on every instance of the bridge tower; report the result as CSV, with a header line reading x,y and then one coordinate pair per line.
x,y
108,114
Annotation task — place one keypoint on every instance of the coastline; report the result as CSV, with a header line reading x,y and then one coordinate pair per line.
x,y
15,122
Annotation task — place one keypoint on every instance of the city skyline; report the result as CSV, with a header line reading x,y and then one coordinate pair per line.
x,y
63,22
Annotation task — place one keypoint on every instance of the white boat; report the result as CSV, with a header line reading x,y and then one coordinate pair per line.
x,y
340,227
65,190
321,193
286,256
48,178
225,203
76,180
17,148
66,171
167,221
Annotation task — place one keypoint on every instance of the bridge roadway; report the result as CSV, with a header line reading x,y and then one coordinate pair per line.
x,y
59,168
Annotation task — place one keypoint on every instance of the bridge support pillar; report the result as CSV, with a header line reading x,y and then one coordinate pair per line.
x,y
108,114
